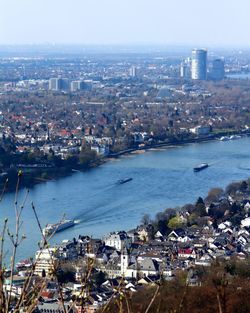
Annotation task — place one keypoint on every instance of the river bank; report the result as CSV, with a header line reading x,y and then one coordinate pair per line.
x,y
177,143
30,179
161,179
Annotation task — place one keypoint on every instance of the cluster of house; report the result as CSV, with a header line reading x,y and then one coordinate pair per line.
x,y
64,145
129,260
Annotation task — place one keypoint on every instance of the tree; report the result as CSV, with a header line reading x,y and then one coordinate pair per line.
x,y
243,186
162,227
65,275
234,208
99,278
216,211
58,162
145,219
233,188
192,219
175,222
44,175
215,224
199,201
214,195
200,208
87,156
236,219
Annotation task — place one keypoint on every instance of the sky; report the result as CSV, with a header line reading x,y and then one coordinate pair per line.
x,y
126,22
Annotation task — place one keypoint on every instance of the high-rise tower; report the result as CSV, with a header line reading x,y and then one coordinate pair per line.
x,y
57,84
218,70
133,71
199,64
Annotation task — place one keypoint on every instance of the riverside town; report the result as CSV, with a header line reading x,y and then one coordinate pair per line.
x,y
60,114
66,113
185,248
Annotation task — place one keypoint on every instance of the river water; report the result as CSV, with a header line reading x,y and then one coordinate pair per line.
x,y
239,76
161,179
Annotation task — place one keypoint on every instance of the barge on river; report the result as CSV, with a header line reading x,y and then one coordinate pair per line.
x,y
200,167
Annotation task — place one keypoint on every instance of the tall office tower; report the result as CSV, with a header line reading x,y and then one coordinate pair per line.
x,y
57,84
54,84
64,83
184,70
218,70
133,71
199,64
76,85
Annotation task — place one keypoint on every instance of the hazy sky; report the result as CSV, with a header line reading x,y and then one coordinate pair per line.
x,y
181,22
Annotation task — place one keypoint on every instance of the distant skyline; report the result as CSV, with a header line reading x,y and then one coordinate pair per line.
x,y
126,22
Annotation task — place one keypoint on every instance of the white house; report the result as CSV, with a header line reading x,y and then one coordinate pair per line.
x,y
118,240
46,260
245,222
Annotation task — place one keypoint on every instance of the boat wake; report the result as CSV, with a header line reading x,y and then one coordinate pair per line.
x,y
77,221
244,168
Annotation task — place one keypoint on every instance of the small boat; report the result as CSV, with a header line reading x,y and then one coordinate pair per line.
x,y
235,137
232,137
200,167
224,138
123,181
24,264
55,228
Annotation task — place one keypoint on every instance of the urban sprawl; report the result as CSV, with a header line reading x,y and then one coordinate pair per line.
x,y
71,110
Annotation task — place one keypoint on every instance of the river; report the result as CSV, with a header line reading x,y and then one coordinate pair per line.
x,y
161,179
239,76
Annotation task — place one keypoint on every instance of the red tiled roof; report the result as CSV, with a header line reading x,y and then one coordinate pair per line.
x,y
185,251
